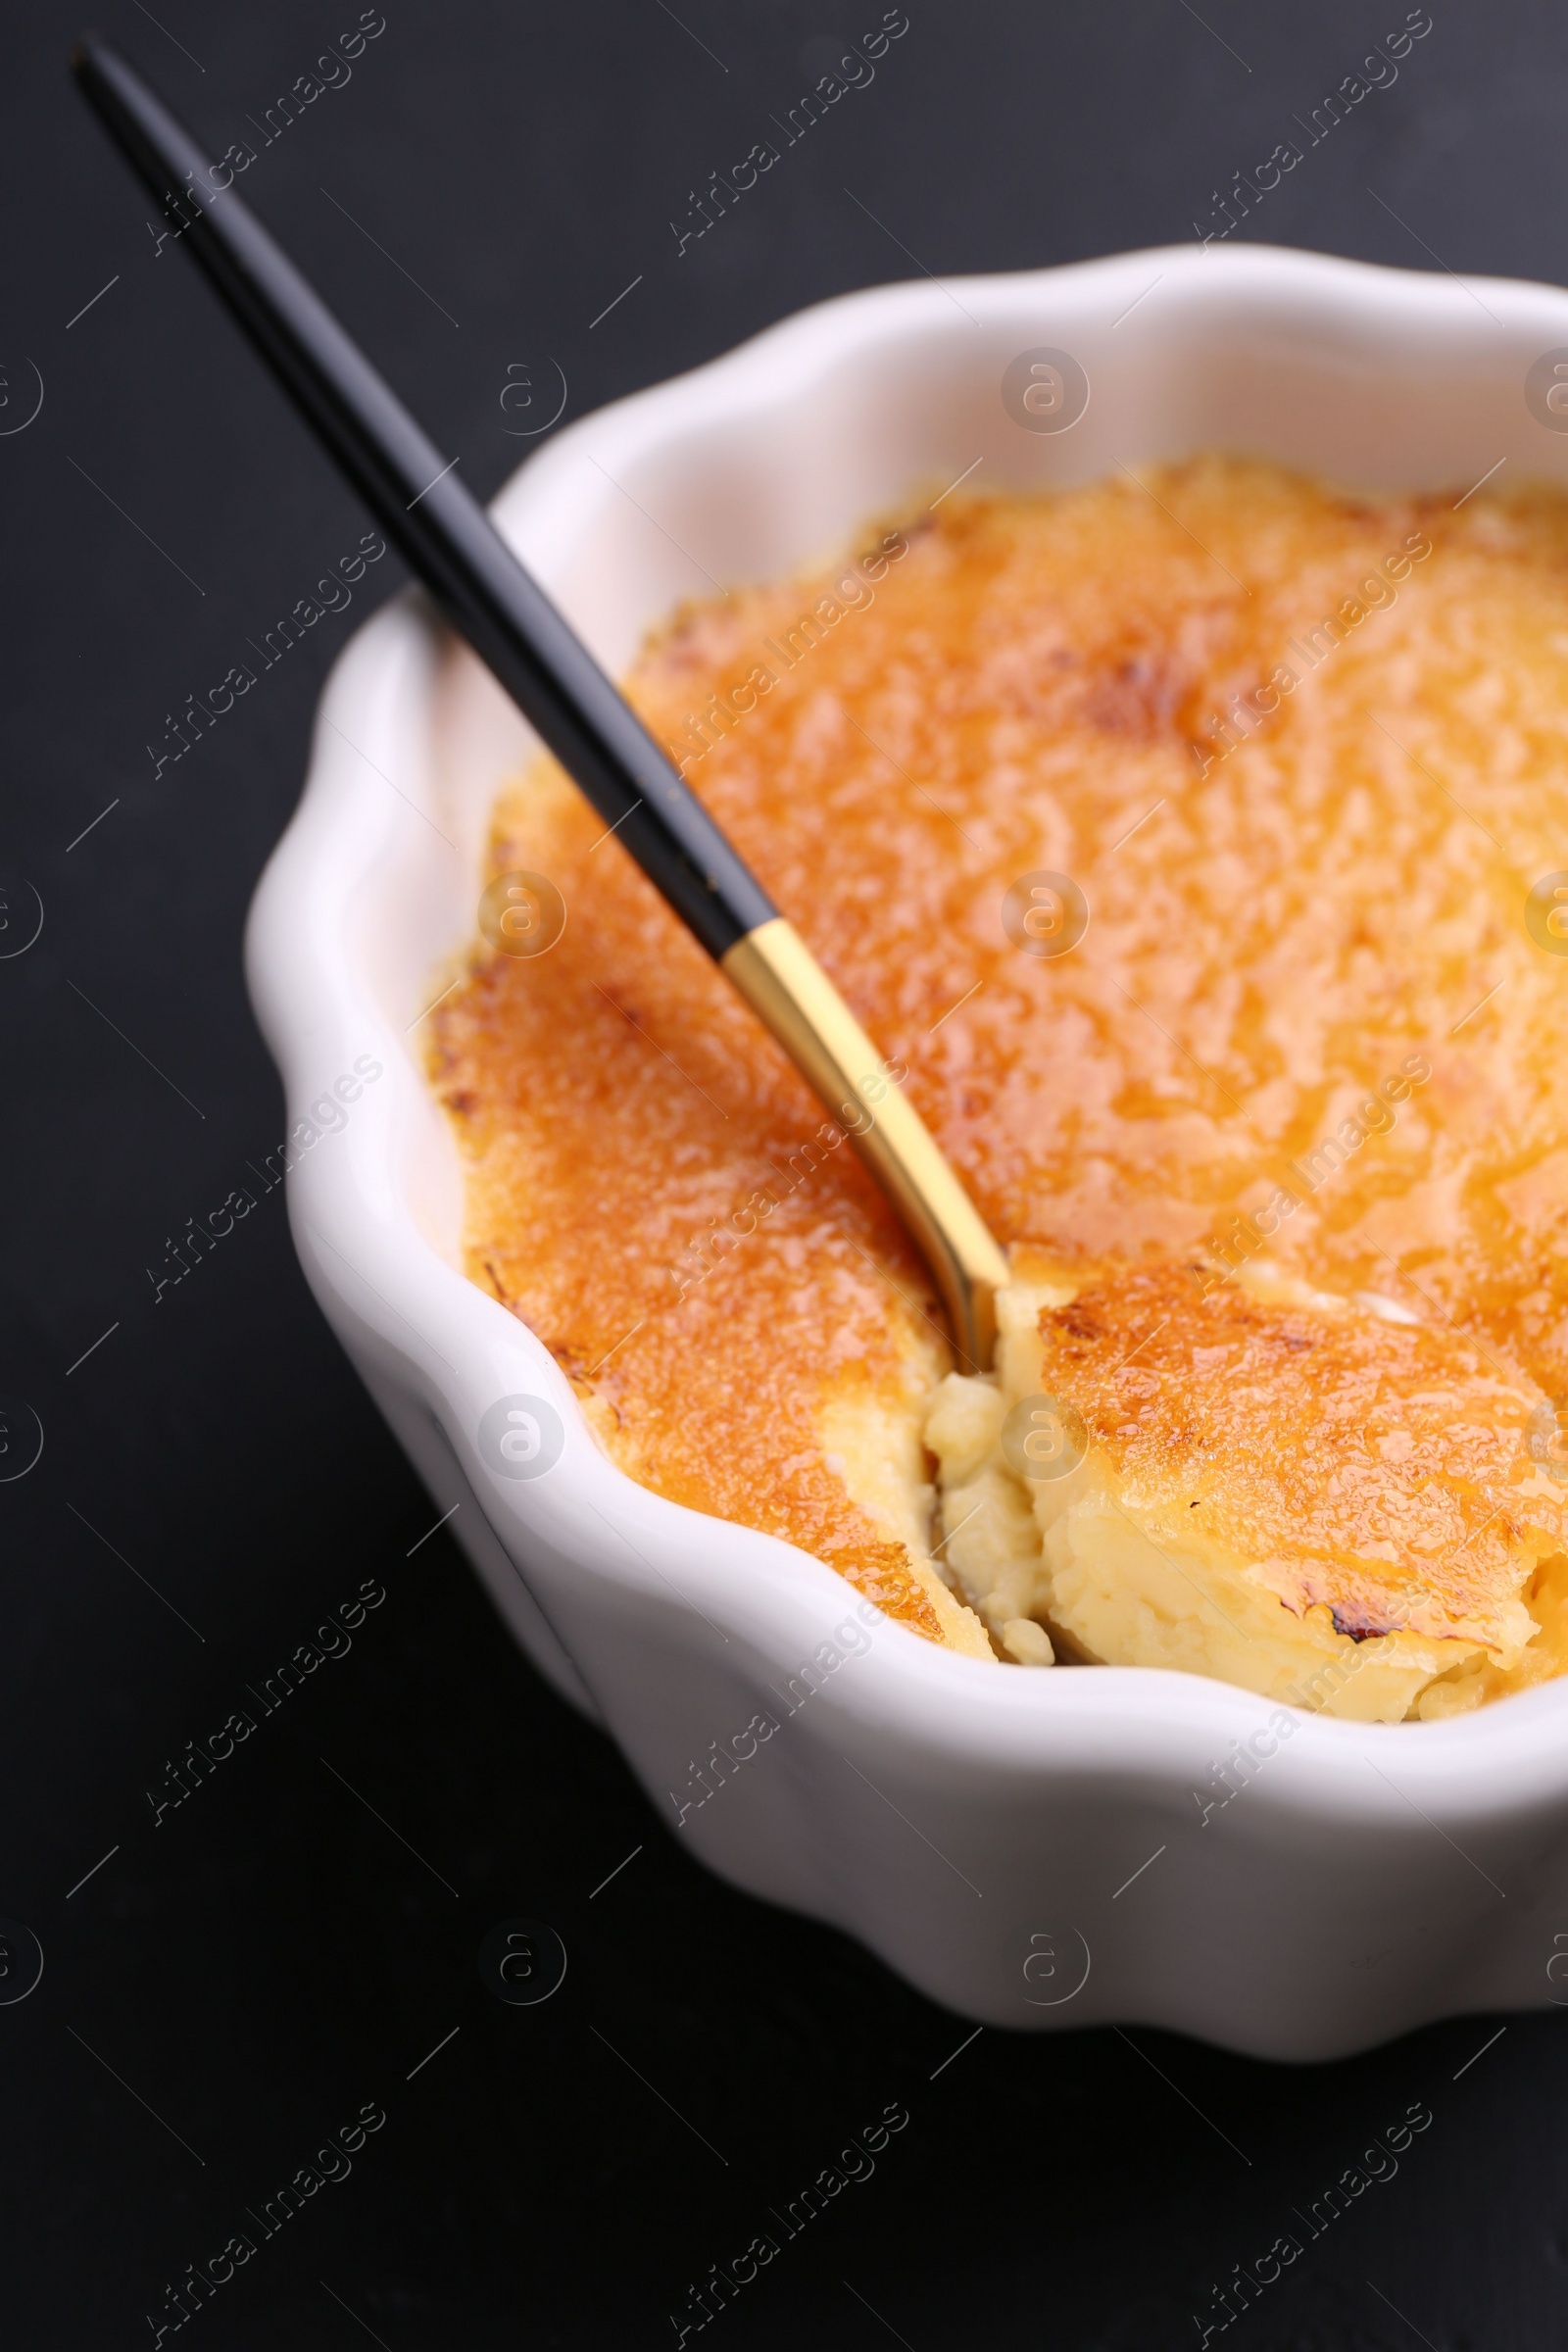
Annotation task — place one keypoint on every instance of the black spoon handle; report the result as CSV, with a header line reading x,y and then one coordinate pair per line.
x,y
439,527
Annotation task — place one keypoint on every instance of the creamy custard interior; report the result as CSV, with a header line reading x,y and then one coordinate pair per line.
x,y
1279,1148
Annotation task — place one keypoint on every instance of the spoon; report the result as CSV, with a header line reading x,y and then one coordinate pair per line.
x,y
479,586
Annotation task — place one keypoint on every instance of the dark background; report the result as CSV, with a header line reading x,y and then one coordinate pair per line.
x,y
236,1981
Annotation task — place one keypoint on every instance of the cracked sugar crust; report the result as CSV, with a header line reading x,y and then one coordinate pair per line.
x,y
1275,933
1378,1469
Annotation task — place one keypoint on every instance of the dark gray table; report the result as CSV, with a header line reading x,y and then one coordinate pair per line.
x,y
239,1977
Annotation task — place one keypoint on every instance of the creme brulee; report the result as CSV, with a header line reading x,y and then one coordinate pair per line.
x,y
1279,1148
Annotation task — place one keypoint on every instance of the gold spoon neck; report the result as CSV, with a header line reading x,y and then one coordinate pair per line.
x,y
796,1001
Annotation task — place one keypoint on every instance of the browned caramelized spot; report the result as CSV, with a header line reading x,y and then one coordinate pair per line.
x,y
1269,941
1138,693
1374,1468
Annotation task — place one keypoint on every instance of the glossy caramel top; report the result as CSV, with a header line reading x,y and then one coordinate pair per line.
x,y
1305,755
1379,1470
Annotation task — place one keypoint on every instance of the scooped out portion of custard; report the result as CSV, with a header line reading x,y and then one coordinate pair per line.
x,y
1192,847
1283,1488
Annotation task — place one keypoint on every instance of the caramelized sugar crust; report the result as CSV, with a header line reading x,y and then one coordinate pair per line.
x,y
1276,929
1379,1470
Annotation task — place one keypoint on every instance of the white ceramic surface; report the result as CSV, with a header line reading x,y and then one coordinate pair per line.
x,y
974,1824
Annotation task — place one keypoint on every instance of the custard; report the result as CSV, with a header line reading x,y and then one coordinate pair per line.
x,y
1279,1146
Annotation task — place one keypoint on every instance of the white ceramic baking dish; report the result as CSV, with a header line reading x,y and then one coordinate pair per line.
x,y
1026,1847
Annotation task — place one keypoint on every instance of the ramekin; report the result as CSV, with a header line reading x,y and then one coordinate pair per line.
x,y
1030,1848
